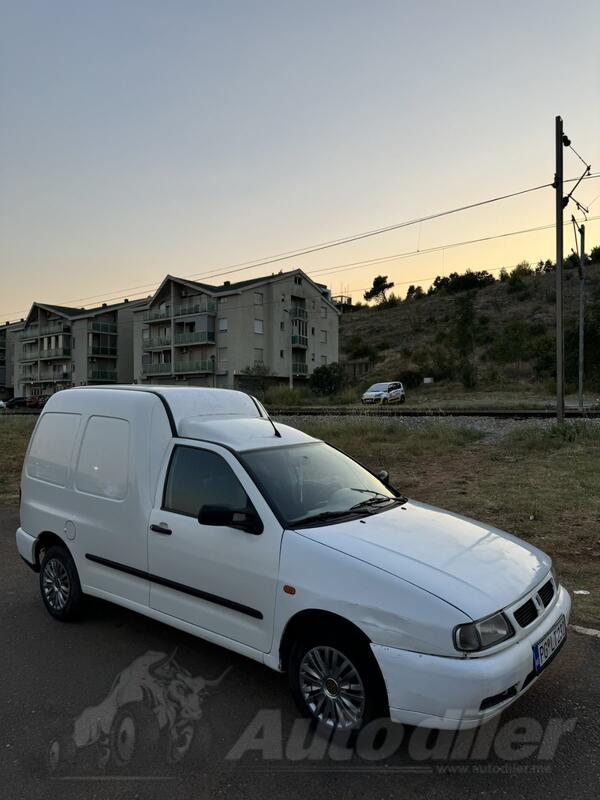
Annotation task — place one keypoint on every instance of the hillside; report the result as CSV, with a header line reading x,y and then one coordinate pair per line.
x,y
499,337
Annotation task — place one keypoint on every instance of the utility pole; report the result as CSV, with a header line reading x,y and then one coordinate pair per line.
x,y
560,345
581,312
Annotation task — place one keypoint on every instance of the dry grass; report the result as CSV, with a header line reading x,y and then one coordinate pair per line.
x,y
15,431
541,483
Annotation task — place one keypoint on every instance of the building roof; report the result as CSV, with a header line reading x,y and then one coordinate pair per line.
x,y
231,288
81,313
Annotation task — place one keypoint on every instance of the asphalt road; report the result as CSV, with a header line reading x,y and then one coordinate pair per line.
x,y
52,672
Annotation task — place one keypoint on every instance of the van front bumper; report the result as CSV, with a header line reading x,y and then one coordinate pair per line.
x,y
26,546
447,693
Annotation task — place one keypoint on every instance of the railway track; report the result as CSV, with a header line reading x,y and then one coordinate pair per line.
x,y
353,411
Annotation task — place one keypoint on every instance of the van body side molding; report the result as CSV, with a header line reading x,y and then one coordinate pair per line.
x,y
178,587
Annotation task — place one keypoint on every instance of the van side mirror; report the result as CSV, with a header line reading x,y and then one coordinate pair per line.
x,y
225,516
384,477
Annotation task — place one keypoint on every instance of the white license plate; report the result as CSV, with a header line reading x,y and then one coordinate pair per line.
x,y
544,649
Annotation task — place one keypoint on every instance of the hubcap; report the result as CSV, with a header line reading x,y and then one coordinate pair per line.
x,y
332,687
56,584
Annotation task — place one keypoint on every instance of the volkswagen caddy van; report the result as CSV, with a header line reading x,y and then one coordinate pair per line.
x,y
193,507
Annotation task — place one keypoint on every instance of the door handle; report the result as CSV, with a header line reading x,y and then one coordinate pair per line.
x,y
161,529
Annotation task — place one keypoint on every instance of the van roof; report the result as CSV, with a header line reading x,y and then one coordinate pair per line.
x,y
226,416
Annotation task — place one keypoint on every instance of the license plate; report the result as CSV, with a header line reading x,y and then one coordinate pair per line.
x,y
545,649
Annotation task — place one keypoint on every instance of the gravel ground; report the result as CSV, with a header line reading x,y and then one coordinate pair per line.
x,y
492,429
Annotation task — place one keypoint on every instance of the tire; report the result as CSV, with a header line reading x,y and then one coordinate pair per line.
x,y
59,584
314,669
134,736
403,399
384,401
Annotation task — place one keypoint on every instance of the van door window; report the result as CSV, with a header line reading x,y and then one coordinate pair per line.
x,y
103,465
50,454
200,477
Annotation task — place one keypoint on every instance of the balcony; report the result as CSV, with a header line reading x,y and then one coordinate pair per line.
x,y
157,369
55,377
102,327
29,355
299,341
197,337
157,313
156,343
298,312
201,307
30,335
98,350
57,352
299,368
55,330
193,366
103,375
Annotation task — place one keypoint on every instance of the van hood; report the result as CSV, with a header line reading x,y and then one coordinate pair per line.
x,y
475,567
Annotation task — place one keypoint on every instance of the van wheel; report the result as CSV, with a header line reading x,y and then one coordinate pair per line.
x,y
336,682
59,584
384,401
403,399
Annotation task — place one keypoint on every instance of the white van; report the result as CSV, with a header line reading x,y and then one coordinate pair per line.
x,y
191,506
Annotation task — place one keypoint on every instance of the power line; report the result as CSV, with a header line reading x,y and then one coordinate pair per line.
x,y
449,246
245,265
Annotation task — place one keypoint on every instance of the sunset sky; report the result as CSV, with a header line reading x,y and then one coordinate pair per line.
x,y
141,138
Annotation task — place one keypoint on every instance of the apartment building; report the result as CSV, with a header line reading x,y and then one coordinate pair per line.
x,y
8,336
202,335
60,346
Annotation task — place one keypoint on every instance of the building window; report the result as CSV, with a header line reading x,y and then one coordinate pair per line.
x,y
312,358
281,354
223,299
222,355
312,330
323,359
314,305
323,338
258,298
323,312
223,324
258,355
297,280
282,325
259,326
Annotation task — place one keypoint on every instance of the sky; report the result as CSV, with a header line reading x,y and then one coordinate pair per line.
x,y
145,138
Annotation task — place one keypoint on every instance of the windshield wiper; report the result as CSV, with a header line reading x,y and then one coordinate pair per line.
x,y
371,501
322,515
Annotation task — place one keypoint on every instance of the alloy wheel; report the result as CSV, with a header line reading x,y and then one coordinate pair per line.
x,y
332,687
56,584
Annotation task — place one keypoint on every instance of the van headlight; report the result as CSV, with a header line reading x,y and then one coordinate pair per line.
x,y
482,634
555,577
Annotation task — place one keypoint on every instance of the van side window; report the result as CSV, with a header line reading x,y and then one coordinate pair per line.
x,y
103,464
201,477
50,454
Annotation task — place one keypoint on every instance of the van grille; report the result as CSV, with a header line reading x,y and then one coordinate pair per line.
x,y
546,593
526,613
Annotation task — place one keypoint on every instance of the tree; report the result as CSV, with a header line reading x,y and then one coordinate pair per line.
x,y
255,378
414,292
327,379
595,255
377,291
465,338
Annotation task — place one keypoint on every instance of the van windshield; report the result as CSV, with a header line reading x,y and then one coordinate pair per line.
x,y
313,483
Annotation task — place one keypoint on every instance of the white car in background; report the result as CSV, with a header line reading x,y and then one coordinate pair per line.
x,y
383,393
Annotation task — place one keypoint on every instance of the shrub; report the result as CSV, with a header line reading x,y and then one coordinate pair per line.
x,y
327,379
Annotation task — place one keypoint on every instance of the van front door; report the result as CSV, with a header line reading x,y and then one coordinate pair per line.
x,y
217,577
